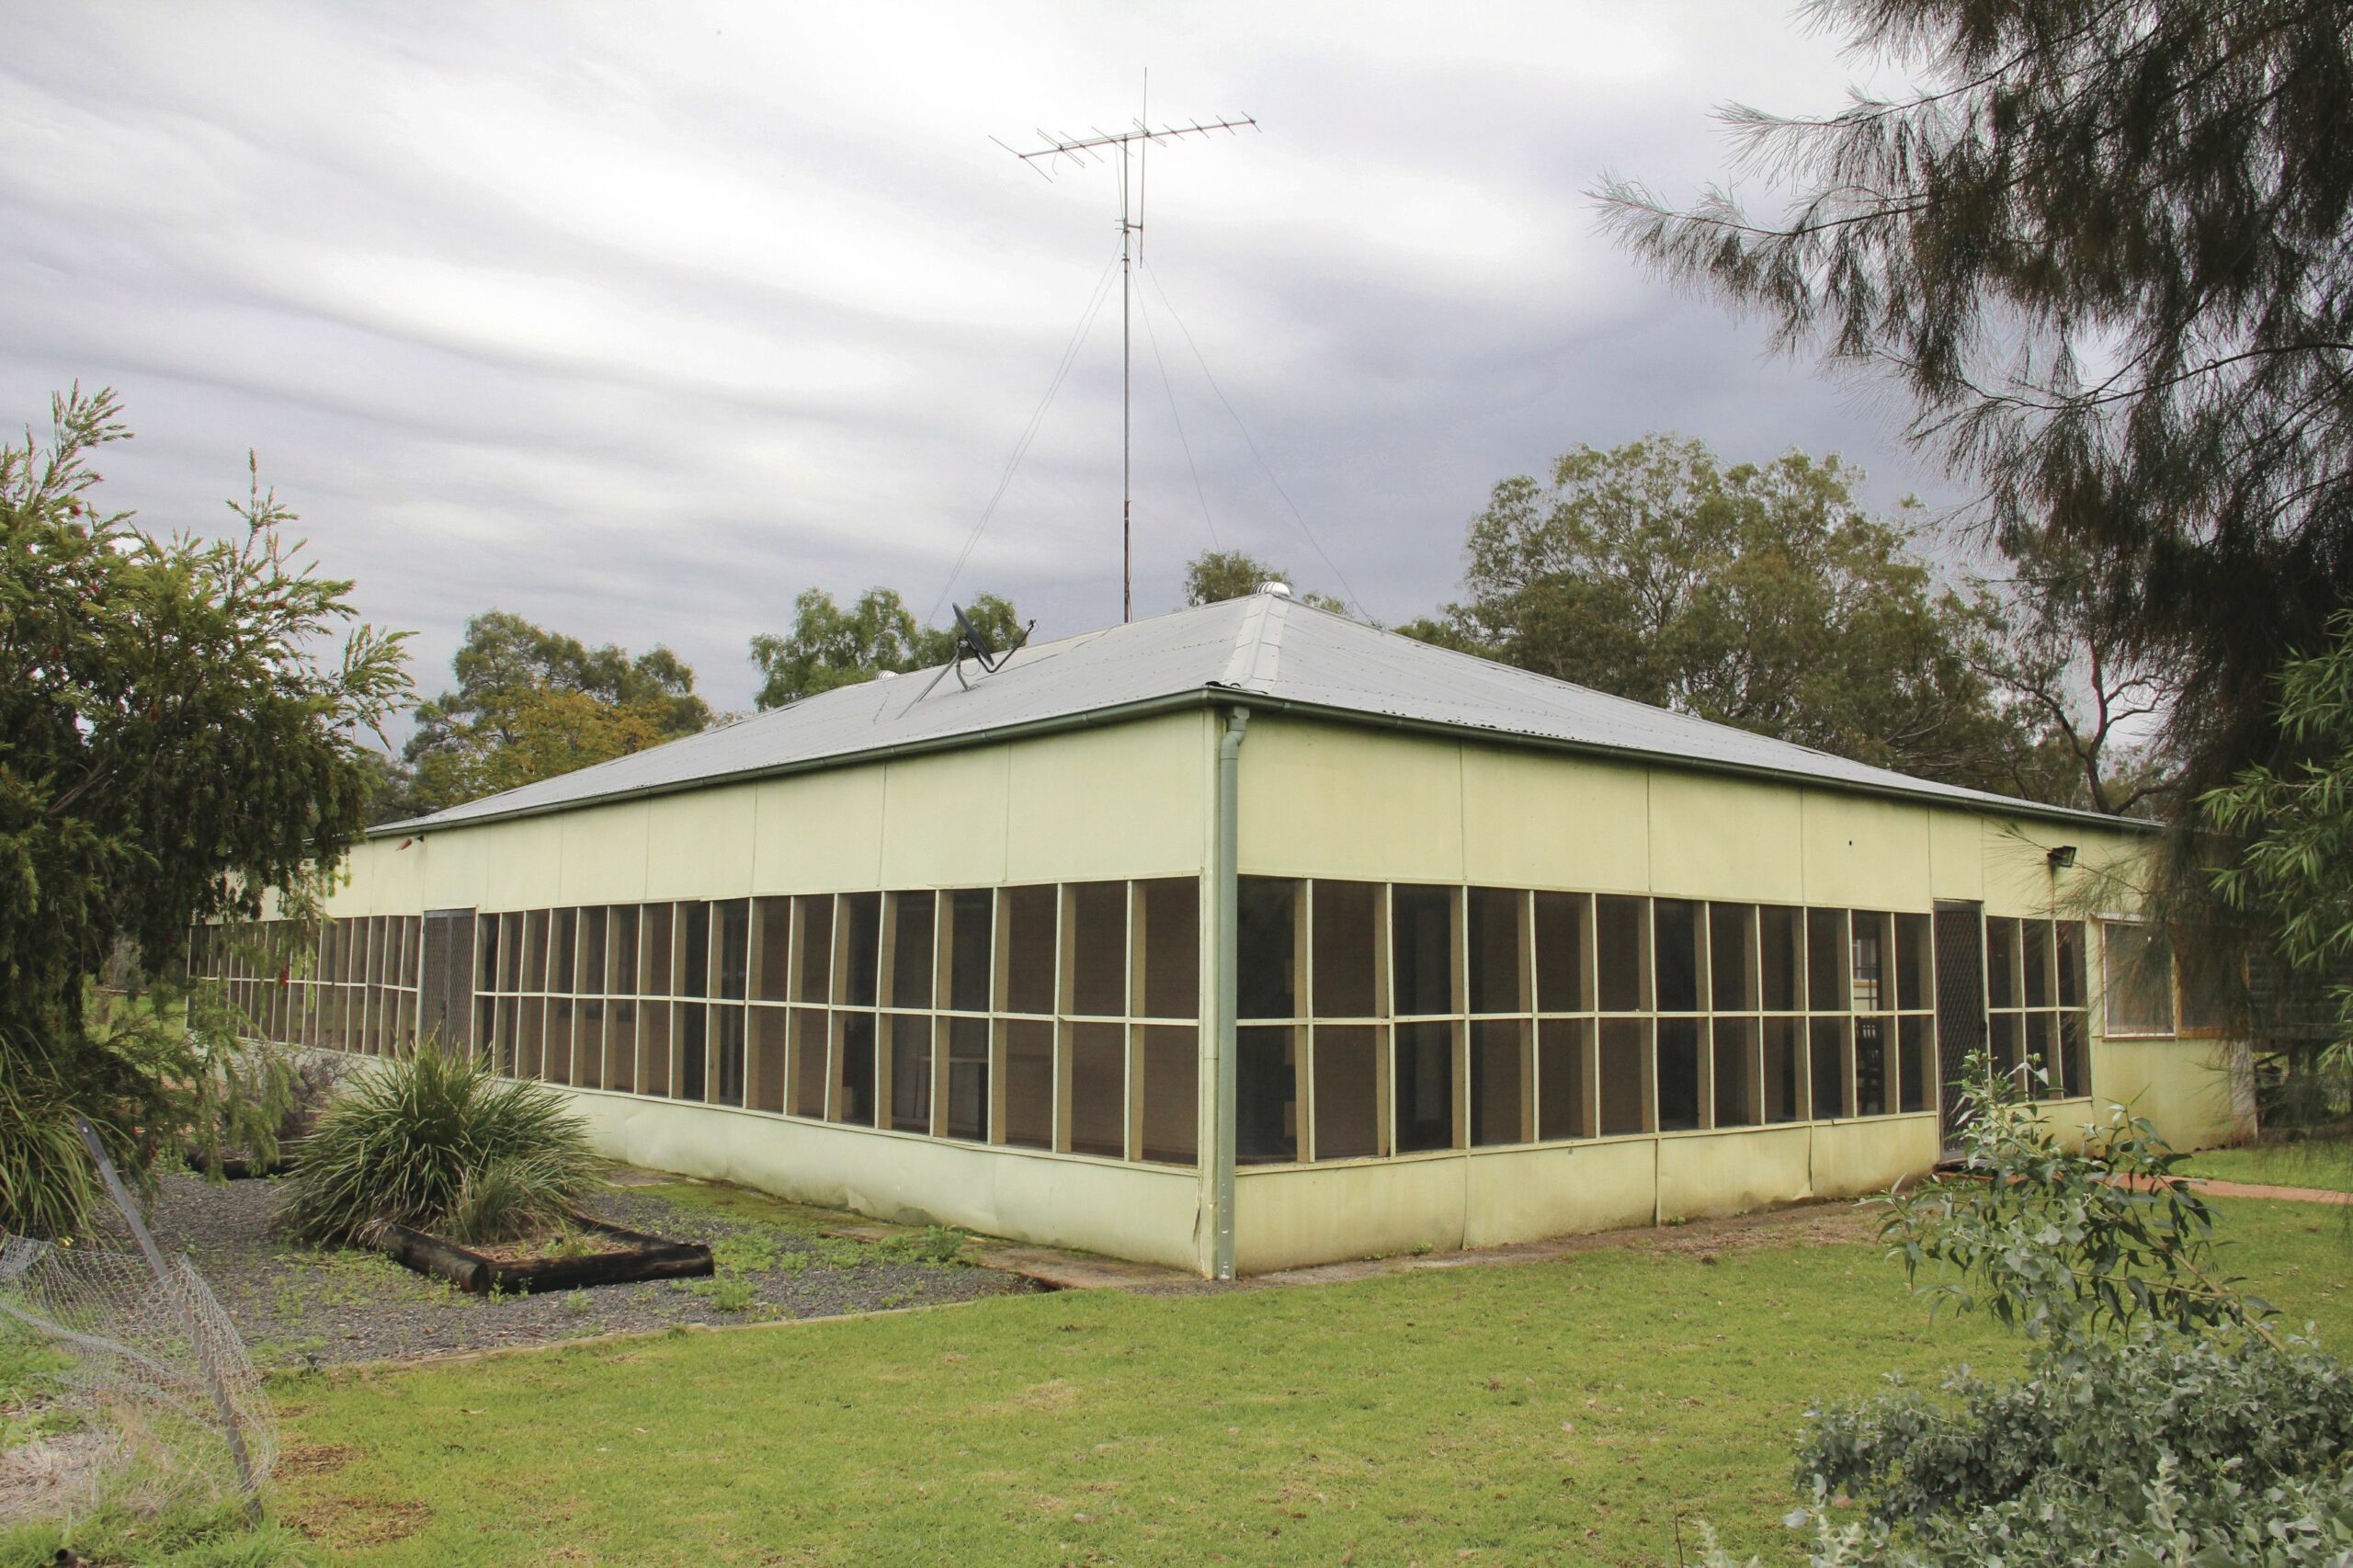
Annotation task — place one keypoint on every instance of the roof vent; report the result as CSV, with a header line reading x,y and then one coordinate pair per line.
x,y
1276,586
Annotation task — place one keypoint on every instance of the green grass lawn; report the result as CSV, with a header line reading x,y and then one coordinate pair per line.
x,y
2321,1163
1566,1411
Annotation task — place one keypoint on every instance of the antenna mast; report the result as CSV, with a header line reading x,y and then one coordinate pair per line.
x,y
1132,144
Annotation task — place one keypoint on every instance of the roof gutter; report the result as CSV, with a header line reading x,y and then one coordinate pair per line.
x,y
1217,696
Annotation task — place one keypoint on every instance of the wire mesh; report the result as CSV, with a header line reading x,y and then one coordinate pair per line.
x,y
142,1383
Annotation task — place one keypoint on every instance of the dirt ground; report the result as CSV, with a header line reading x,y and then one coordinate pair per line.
x,y
297,1307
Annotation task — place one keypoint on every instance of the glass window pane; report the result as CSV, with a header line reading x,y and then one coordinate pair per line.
x,y
1678,1075
1347,944
1867,938
1171,1069
1265,1118
1171,943
1026,924
815,914
772,949
588,1043
768,1057
854,1067
1098,1086
911,1068
1421,952
1781,966
1736,1071
2139,972
1422,1085
1348,1084
1098,947
1826,960
1675,955
2001,961
556,1065
858,948
693,1053
910,923
2073,1072
734,948
1562,1046
2034,938
620,976
727,1055
653,1049
1916,1040
2002,1043
1618,927
970,912
1027,1049
1563,981
1267,943
1826,1064
968,1077
655,923
1912,962
1500,1070
1496,950
1732,957
1872,1043
2042,1050
694,949
2070,934
592,952
811,1055
1625,1076
1784,1070
563,951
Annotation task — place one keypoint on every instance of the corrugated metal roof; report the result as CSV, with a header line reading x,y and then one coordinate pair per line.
x,y
1263,650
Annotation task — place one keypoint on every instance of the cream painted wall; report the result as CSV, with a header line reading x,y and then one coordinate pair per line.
x,y
1317,799
1124,800
1138,1211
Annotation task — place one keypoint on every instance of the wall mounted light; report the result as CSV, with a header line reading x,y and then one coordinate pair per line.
x,y
2061,856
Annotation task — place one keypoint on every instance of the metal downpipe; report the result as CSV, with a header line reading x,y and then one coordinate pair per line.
x,y
1229,818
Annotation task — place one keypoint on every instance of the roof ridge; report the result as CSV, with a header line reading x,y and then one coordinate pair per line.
x,y
1257,644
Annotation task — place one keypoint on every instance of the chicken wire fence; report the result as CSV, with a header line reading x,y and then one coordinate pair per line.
x,y
137,1385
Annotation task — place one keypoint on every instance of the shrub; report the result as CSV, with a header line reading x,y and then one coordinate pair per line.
x,y
434,1140
2160,1420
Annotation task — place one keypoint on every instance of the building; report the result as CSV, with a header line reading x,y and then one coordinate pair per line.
x,y
1250,937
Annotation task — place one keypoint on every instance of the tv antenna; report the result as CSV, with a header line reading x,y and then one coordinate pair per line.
x,y
1130,145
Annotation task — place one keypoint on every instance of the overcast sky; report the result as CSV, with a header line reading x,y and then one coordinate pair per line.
x,y
639,320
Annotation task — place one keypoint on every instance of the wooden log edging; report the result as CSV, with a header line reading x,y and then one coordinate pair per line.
x,y
641,1256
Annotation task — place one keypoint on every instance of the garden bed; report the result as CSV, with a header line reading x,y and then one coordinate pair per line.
x,y
587,1252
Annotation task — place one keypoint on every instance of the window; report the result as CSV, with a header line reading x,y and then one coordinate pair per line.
x,y
2138,974
2034,983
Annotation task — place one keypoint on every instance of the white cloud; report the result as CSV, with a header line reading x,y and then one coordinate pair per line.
x,y
638,320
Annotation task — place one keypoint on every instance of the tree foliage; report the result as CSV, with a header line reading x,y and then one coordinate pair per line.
x,y
2101,245
1760,596
180,738
830,647
1215,575
533,704
2296,823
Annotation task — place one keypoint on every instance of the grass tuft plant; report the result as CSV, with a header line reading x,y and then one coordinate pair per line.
x,y
436,1141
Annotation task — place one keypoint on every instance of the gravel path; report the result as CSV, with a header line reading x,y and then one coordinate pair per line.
x,y
299,1307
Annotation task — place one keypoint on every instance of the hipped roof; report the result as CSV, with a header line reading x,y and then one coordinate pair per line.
x,y
1263,652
